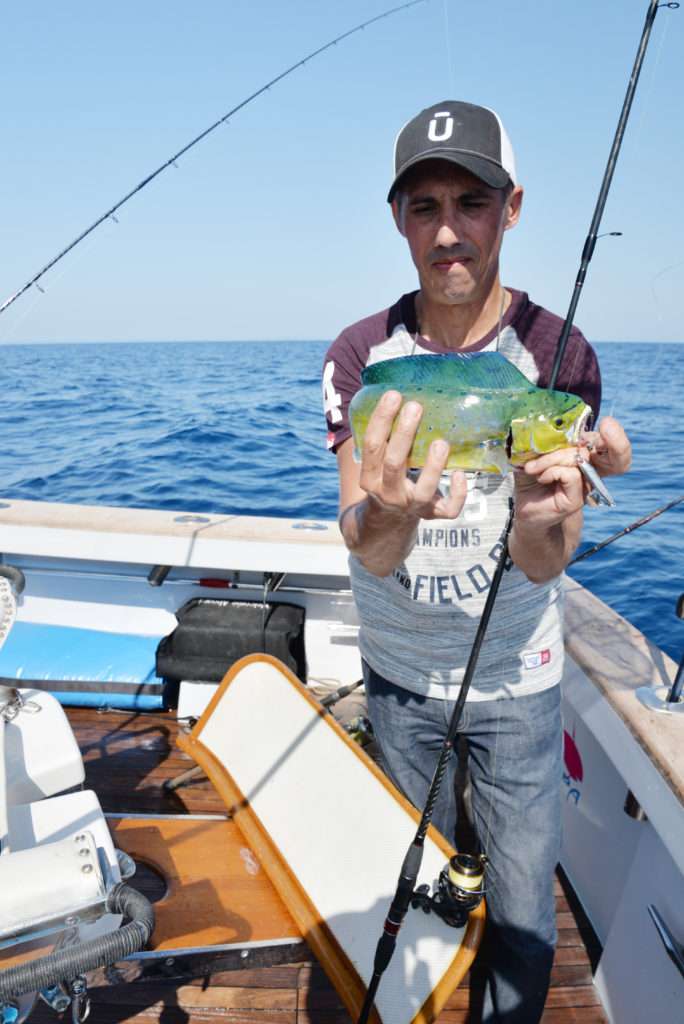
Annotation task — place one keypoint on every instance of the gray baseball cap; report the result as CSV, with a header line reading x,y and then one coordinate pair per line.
x,y
462,133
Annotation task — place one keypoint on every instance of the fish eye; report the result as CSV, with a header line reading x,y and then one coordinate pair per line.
x,y
559,421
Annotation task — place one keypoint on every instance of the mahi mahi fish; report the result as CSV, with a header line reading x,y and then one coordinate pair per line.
x,y
490,414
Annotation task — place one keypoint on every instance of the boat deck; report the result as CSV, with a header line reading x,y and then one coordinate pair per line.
x,y
127,758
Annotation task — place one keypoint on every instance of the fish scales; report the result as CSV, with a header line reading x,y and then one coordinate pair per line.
x,y
488,412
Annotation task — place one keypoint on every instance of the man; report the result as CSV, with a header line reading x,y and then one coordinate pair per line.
x,y
423,550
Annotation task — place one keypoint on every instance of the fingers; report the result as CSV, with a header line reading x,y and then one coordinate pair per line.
x,y
400,444
561,457
388,441
609,447
548,499
428,482
382,466
614,454
569,477
450,507
379,429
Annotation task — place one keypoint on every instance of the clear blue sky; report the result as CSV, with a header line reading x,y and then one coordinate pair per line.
x,y
276,226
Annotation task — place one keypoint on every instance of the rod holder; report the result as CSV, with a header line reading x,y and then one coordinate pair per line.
x,y
158,574
656,698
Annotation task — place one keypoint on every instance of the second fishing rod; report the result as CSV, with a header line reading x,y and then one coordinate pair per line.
x,y
405,892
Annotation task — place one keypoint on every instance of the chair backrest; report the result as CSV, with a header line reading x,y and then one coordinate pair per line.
x,y
331,831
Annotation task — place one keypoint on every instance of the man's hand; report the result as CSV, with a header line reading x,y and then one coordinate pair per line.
x,y
608,448
549,494
381,506
384,463
549,489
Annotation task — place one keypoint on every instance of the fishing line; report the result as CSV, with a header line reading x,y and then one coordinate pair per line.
x,y
590,242
65,269
450,57
198,138
650,86
408,875
661,273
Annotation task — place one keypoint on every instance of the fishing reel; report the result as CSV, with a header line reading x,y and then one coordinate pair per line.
x,y
460,888
360,730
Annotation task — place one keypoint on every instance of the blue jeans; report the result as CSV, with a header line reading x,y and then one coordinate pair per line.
x,y
515,764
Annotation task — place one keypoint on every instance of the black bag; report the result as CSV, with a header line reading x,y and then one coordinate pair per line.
x,y
212,634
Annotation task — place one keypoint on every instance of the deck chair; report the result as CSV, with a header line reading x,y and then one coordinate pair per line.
x,y
331,832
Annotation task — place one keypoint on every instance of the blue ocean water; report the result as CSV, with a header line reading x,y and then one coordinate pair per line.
x,y
237,428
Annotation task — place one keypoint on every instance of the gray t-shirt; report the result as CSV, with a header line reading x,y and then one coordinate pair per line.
x,y
418,623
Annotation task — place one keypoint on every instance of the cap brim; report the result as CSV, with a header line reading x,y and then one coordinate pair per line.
x,y
486,170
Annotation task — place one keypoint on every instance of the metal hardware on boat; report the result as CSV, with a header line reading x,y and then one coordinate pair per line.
x,y
80,1001
272,582
309,526
158,574
656,698
182,581
127,865
662,698
198,961
674,949
192,519
675,693
633,808
56,998
337,694
12,702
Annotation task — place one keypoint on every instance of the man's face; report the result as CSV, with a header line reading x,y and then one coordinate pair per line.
x,y
454,225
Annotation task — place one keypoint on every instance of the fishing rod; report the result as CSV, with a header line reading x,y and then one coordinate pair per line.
x,y
590,242
111,212
628,529
408,876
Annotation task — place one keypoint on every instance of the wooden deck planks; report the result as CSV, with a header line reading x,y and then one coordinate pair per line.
x,y
127,758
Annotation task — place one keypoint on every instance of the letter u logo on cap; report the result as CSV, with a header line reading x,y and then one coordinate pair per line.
x,y
434,134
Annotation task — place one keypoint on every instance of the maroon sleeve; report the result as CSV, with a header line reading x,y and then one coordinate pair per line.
x,y
344,361
579,373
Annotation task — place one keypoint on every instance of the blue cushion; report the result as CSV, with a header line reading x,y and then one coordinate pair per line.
x,y
97,669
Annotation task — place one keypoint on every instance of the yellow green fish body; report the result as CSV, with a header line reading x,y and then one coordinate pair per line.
x,y
488,412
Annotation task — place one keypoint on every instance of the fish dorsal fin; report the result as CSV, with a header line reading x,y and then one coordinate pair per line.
x,y
484,370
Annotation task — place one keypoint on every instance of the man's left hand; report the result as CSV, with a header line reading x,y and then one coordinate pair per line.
x,y
608,448
549,494
551,487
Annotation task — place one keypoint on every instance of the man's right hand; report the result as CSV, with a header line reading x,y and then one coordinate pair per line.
x,y
381,506
384,465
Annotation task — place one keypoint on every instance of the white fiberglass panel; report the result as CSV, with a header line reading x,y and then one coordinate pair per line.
x,y
336,825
